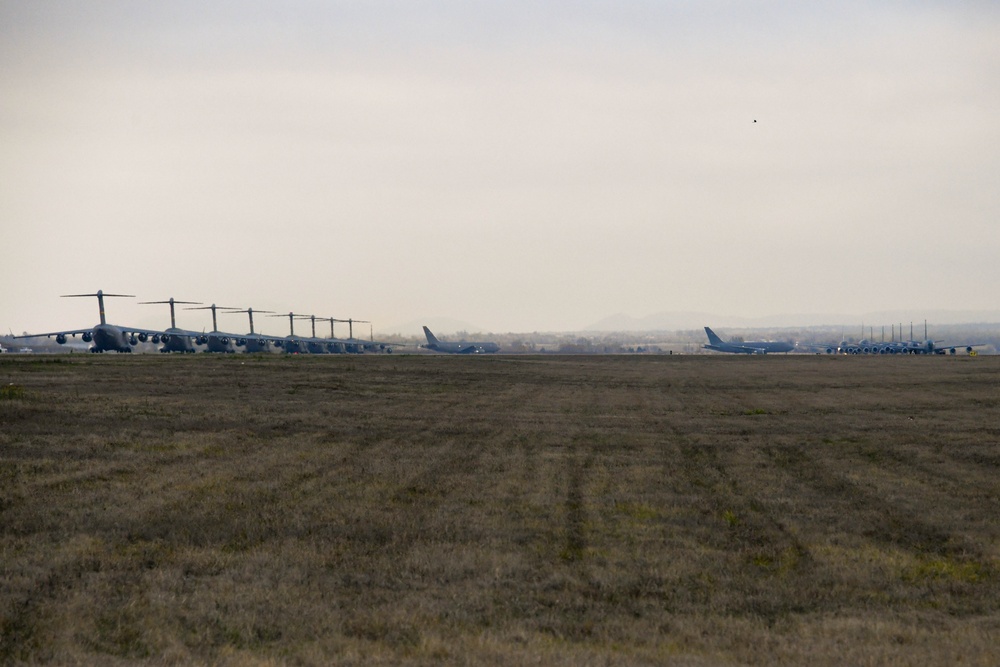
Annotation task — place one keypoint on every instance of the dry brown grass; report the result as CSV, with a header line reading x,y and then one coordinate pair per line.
x,y
591,510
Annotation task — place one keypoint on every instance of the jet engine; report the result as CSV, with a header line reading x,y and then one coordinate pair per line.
x,y
61,339
142,337
201,340
165,338
224,340
133,340
242,342
87,336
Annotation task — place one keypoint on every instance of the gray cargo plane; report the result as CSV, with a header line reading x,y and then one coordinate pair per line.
x,y
217,341
174,339
462,347
292,344
912,346
253,341
751,347
105,337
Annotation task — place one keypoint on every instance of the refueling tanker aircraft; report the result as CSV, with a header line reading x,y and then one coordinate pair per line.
x,y
107,337
751,347
462,347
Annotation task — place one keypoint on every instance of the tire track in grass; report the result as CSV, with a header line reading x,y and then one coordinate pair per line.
x,y
755,556
883,540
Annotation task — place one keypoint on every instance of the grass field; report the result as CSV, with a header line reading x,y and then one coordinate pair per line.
x,y
505,510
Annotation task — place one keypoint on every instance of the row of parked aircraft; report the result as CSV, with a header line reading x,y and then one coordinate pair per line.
x,y
864,346
106,337
912,346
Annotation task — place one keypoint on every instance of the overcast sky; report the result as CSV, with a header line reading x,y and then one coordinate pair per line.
x,y
520,166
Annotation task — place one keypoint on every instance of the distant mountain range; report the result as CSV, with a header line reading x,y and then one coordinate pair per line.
x,y
681,321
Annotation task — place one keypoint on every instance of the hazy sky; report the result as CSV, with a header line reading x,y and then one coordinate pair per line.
x,y
519,166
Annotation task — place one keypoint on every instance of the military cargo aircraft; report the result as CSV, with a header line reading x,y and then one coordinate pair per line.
x,y
253,341
217,341
174,339
105,337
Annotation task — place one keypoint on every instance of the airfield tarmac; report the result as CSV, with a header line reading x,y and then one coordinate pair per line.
x,y
509,509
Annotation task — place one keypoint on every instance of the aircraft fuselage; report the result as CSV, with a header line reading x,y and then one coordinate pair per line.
x,y
109,338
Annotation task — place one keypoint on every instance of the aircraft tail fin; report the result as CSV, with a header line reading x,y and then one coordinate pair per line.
x,y
713,338
431,339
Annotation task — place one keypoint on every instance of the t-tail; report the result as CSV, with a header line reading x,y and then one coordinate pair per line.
x,y
100,301
713,338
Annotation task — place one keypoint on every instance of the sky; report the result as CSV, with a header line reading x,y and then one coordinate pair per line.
x,y
517,166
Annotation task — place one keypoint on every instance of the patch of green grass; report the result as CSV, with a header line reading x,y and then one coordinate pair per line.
x,y
946,569
11,392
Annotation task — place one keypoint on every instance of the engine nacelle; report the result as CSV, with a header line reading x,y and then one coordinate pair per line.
x,y
224,340
142,337
156,339
165,338
242,342
278,343
87,336
61,339
132,340
201,340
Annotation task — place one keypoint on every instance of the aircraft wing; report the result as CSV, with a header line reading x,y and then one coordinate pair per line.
x,y
74,332
749,349
149,332
940,346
